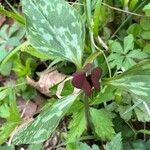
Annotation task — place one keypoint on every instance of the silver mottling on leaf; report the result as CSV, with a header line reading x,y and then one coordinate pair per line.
x,y
40,129
39,133
57,23
45,119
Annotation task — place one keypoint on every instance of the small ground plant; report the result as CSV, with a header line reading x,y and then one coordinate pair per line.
x,y
83,67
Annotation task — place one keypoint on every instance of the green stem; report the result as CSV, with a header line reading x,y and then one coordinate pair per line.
x,y
87,8
89,137
87,114
14,15
13,52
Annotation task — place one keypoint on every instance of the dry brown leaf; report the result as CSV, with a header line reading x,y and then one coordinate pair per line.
x,y
52,141
39,100
47,80
60,148
27,108
2,20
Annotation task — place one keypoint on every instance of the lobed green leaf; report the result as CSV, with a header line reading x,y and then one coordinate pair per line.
x,y
102,123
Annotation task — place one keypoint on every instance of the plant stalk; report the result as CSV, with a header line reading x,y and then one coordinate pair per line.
x,y
87,114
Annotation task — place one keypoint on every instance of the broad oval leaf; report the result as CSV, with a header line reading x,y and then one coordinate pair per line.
x,y
42,127
55,28
135,80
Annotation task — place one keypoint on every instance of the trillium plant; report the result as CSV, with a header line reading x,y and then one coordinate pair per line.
x,y
113,81
86,79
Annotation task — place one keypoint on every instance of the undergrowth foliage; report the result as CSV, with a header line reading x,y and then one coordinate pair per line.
x,y
102,48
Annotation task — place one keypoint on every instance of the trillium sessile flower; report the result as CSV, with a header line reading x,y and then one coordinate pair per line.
x,y
86,81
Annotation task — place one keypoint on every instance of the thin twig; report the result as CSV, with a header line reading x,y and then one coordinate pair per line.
x,y
144,132
131,127
23,112
11,6
114,8
87,114
124,11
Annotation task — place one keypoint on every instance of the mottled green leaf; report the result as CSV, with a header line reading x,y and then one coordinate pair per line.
x,y
35,147
141,111
42,127
36,53
135,80
55,28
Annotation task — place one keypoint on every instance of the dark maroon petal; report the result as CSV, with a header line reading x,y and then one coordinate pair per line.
x,y
78,79
95,76
89,80
87,67
86,87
